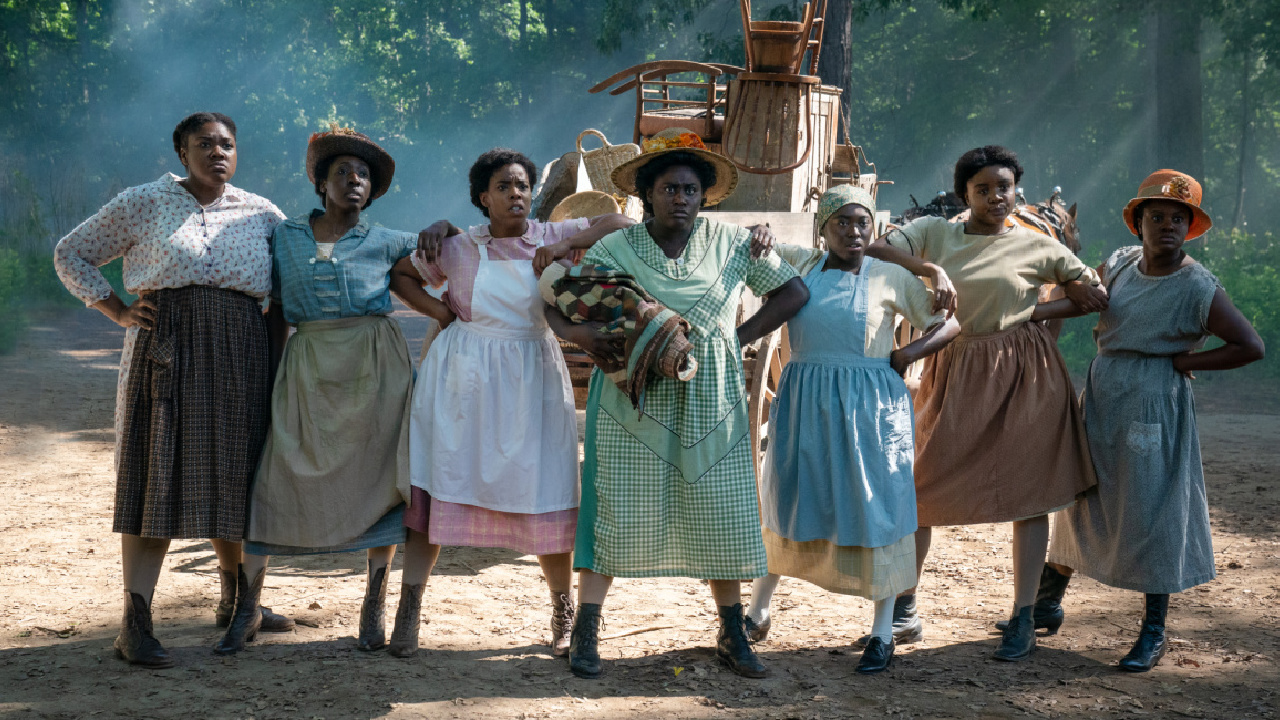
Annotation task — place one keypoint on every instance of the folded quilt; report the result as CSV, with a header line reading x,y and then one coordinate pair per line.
x,y
656,338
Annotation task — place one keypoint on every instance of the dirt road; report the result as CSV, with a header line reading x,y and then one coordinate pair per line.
x,y
486,611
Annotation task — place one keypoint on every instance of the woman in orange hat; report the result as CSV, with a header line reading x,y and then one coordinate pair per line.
x,y
1145,526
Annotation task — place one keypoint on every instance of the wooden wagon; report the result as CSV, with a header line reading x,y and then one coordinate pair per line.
x,y
777,123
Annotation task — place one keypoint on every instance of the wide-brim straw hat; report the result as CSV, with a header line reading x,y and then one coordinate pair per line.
x,y
586,204
345,141
679,140
1178,187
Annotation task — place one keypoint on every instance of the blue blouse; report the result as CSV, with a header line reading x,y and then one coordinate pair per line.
x,y
355,281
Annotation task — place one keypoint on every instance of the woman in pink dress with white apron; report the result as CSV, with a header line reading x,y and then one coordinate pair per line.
x,y
493,438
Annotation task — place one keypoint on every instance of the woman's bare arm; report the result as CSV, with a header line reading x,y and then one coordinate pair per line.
x,y
407,284
780,306
601,225
938,336
1242,343
944,293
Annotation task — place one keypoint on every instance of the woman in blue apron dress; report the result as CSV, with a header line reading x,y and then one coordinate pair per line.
x,y
837,494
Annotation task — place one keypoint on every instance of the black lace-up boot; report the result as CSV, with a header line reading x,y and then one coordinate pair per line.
x,y
1151,645
732,646
584,642
135,643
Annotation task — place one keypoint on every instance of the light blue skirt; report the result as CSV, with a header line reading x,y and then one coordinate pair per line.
x,y
388,530
838,466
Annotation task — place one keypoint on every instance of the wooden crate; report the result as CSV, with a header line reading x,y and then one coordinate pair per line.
x,y
799,189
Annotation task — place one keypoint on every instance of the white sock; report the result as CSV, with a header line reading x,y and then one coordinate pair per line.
x,y
761,595
882,625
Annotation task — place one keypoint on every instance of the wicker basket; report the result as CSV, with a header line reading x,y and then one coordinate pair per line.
x,y
587,204
559,180
601,161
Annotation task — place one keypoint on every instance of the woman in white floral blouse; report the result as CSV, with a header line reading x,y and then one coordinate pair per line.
x,y
195,373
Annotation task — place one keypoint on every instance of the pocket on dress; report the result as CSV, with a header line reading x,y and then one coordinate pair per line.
x,y
1144,438
161,353
897,433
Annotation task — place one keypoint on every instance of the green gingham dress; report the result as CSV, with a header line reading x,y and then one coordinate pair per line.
x,y
669,489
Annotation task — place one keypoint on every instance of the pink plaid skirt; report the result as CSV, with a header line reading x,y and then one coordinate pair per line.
x,y
448,523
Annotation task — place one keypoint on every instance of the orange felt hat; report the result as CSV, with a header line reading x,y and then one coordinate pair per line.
x,y
1176,186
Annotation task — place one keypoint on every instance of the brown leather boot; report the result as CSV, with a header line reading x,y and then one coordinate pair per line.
x,y
561,623
135,643
404,638
271,622
227,605
247,619
373,613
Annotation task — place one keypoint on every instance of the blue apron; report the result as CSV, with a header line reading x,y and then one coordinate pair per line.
x,y
841,446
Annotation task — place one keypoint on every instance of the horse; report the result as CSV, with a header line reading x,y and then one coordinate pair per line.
x,y
1050,216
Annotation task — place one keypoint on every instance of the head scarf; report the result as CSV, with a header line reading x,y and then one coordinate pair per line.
x,y
841,195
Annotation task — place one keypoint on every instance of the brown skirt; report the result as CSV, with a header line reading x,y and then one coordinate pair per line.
x,y
999,434
194,416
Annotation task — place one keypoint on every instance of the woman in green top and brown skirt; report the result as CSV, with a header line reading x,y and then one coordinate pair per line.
x,y
999,437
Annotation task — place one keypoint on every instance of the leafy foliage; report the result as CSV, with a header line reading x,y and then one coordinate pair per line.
x,y
93,88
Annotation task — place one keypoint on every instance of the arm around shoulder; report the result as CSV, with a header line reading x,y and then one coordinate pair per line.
x,y
407,282
571,247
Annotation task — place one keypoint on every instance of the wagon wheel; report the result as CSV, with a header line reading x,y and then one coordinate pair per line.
x,y
763,374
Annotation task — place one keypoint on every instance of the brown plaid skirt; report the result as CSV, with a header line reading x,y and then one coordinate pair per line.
x,y
195,411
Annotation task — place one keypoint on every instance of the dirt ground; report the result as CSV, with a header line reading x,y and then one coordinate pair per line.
x,y
486,611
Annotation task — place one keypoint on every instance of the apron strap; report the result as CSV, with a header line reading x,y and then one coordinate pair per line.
x,y
861,303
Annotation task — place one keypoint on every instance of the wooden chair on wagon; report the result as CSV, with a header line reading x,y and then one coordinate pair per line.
x,y
765,104
667,97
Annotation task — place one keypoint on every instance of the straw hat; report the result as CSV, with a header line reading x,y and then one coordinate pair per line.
x,y
1176,186
679,140
345,141
586,204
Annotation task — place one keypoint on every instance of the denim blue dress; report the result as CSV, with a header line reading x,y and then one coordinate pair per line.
x,y
1145,526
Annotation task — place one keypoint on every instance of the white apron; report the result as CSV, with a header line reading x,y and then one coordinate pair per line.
x,y
493,420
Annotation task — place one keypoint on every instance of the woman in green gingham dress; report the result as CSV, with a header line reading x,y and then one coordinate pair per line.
x,y
668,489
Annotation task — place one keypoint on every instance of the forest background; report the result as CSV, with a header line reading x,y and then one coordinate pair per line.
x,y
1092,95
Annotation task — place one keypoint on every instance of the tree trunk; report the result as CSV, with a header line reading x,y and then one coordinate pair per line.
x,y
82,49
1246,139
1179,131
836,61
523,50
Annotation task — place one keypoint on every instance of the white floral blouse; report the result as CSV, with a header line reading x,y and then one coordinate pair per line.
x,y
169,240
